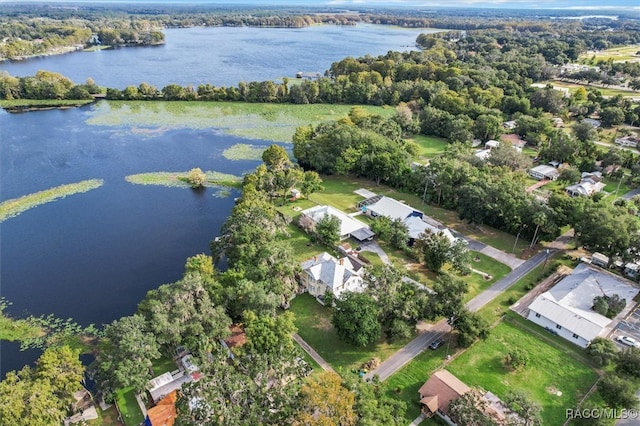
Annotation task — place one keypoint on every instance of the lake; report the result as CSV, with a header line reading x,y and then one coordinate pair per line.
x,y
93,256
224,56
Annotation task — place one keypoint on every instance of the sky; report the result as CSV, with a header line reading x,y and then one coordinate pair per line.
x,y
503,4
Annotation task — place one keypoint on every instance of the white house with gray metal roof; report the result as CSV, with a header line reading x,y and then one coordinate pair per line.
x,y
324,273
349,226
565,309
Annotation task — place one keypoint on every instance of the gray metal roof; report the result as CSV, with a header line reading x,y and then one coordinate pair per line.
x,y
569,302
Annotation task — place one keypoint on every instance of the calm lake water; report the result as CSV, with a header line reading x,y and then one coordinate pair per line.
x,y
93,256
224,56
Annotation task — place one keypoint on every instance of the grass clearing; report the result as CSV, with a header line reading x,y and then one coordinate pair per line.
x,y
430,146
12,330
301,245
128,406
551,378
314,325
243,151
476,282
605,91
404,384
163,365
622,53
272,122
14,207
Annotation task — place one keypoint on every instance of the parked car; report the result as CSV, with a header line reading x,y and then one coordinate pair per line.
x,y
629,341
436,344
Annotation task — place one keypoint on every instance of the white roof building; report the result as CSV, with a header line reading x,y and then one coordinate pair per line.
x,y
393,209
588,185
565,309
417,225
324,273
349,226
544,172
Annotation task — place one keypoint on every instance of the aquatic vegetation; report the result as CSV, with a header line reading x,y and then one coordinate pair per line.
x,y
13,207
243,151
180,180
272,122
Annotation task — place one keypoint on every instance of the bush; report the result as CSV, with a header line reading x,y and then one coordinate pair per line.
x,y
517,358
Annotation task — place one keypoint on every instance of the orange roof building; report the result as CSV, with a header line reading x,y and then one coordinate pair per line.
x,y
437,392
164,413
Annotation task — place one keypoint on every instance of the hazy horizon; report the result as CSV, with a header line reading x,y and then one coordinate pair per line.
x,y
586,5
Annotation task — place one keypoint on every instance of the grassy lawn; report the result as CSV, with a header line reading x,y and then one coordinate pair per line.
x,y
404,384
271,122
302,246
126,400
163,365
612,186
622,53
478,283
606,91
314,325
430,146
551,378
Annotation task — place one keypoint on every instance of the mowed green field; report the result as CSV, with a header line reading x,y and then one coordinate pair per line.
x,y
623,53
271,122
552,378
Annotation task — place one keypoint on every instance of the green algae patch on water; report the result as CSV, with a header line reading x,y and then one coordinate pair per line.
x,y
179,179
13,207
243,151
271,122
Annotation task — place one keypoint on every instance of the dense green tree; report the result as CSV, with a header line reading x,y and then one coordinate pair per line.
x,y
311,183
487,127
276,158
528,411
182,314
617,392
611,116
268,334
126,355
196,178
435,250
470,327
602,351
201,264
628,362
355,318
326,402
469,410
449,293
517,358
584,132
505,155
42,395
328,230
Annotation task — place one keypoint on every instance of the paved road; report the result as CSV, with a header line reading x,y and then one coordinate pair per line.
x,y
499,255
629,195
422,342
312,353
501,285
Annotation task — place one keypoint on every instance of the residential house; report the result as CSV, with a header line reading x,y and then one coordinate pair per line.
x,y
417,225
566,308
415,221
324,273
516,142
629,140
590,184
385,206
349,226
544,172
600,260
164,413
488,146
438,392
632,270
443,388
593,122
509,125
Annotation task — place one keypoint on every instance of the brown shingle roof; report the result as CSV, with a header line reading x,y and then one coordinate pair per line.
x,y
441,388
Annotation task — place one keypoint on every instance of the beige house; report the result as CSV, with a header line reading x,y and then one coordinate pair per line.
x,y
324,273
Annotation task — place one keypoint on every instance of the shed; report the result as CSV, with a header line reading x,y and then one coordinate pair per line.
x,y
599,259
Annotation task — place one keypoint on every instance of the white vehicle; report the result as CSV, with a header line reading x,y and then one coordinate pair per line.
x,y
629,341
